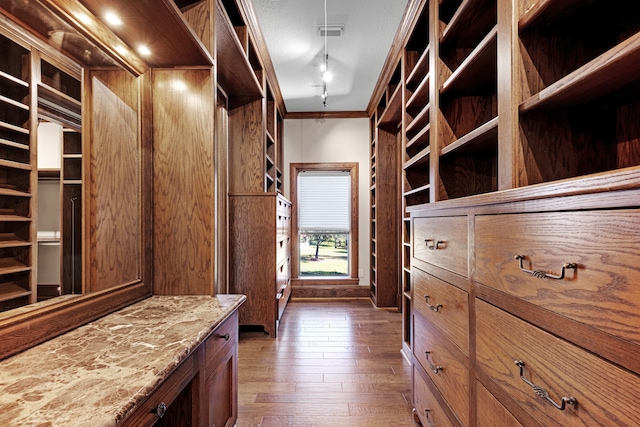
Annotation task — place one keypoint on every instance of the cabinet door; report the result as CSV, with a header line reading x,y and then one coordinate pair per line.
x,y
221,387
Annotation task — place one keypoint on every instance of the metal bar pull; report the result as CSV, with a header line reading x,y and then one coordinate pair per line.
x,y
543,275
433,244
542,392
435,308
426,415
434,368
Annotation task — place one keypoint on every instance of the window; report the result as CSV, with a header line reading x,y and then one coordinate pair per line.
x,y
325,221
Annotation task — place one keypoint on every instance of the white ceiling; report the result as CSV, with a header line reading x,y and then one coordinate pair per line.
x,y
290,28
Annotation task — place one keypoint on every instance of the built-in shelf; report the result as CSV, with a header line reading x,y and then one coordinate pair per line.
x,y
476,140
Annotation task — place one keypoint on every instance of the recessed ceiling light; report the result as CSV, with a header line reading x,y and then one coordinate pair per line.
x,y
144,50
84,18
121,49
113,19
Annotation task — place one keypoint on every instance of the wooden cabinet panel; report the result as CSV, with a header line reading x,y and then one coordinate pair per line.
x,y
448,373
490,412
426,405
446,306
221,356
255,247
605,393
604,246
443,242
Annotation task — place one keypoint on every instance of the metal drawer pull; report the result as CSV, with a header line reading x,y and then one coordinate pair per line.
x,y
432,307
225,336
542,392
541,274
160,410
426,414
433,244
435,369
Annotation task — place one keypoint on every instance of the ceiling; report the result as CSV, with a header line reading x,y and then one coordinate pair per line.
x,y
290,28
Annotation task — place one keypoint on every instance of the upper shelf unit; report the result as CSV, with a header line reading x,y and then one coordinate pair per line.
x,y
468,101
240,71
16,183
579,112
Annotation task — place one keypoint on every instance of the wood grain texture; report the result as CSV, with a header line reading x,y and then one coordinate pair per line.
x,y
114,185
183,181
247,148
451,232
452,316
200,17
604,245
426,404
490,412
335,363
431,351
559,367
252,258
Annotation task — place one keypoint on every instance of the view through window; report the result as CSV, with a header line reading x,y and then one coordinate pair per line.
x,y
324,222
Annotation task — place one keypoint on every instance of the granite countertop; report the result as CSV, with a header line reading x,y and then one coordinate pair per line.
x,y
96,374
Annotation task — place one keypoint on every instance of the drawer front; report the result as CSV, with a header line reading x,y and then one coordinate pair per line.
x,y
282,249
283,298
443,242
444,305
283,224
427,407
219,339
602,292
606,395
283,274
165,394
283,206
490,412
451,378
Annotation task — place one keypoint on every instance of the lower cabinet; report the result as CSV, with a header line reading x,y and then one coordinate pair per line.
x,y
260,257
542,329
182,401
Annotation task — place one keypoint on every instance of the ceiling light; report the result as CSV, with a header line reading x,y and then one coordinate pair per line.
x,y
113,19
144,50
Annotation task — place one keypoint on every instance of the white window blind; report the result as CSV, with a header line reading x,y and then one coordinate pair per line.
x,y
324,200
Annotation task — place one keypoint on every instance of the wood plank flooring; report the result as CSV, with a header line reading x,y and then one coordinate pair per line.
x,y
335,363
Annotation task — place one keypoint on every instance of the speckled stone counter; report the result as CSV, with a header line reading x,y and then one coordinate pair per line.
x,y
96,374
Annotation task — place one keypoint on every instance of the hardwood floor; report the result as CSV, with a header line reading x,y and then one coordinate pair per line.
x,y
335,363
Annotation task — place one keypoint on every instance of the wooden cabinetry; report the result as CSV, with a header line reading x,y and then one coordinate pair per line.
x,y
259,247
523,220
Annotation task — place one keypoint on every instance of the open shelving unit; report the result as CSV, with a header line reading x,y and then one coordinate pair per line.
x,y
17,273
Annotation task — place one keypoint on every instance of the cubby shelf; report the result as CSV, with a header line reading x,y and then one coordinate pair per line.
x,y
393,112
477,140
10,291
419,72
469,23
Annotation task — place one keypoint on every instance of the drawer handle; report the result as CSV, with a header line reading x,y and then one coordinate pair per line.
x,y
434,368
160,410
433,244
435,308
541,392
426,414
541,274
225,336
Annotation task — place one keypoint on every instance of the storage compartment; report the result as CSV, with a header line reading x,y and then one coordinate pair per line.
x,y
425,403
596,252
530,364
443,242
444,305
448,373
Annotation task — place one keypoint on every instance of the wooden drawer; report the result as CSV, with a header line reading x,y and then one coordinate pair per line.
x,y
443,242
283,250
283,207
283,298
444,305
490,412
283,224
226,334
452,376
426,405
283,274
603,292
165,394
606,395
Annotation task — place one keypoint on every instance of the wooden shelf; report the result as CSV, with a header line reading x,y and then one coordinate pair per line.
x,y
10,240
477,73
546,8
420,139
13,144
12,265
420,159
414,191
14,165
9,291
14,103
235,72
419,98
419,122
470,23
607,73
419,72
13,79
392,114
13,193
477,140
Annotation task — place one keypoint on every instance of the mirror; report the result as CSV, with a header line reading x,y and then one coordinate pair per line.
x,y
75,197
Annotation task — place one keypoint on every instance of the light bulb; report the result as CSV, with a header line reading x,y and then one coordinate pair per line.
x,y
327,76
